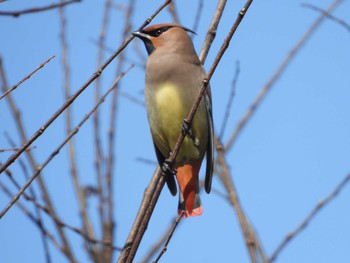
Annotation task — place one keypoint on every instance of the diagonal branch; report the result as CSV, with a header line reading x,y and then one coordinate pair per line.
x,y
321,204
26,77
36,9
328,15
252,241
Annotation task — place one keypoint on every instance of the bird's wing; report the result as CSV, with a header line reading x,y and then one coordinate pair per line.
x,y
210,146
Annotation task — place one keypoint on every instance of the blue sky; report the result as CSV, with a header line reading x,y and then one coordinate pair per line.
x,y
292,153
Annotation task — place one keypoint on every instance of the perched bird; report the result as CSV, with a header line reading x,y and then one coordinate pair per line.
x,y
174,75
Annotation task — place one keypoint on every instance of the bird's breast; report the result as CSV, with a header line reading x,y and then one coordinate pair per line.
x,y
168,105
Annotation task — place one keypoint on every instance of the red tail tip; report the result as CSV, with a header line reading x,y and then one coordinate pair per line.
x,y
195,212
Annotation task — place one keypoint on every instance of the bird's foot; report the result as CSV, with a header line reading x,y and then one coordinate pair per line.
x,y
186,128
167,169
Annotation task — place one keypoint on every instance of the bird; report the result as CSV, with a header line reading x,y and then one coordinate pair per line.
x,y
174,75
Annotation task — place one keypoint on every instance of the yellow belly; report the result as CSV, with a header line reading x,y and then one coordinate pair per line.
x,y
170,109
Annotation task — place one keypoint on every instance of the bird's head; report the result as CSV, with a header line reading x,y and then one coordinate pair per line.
x,y
168,35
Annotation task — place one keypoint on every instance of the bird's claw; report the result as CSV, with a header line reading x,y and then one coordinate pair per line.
x,y
167,169
186,128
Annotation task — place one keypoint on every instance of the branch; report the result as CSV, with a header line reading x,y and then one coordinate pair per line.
x,y
26,77
252,241
321,204
165,247
211,33
270,83
328,15
36,9
230,101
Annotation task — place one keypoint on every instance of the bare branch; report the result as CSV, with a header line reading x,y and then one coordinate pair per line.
x,y
37,9
255,249
270,83
165,247
172,10
211,33
198,15
26,77
328,15
320,205
230,101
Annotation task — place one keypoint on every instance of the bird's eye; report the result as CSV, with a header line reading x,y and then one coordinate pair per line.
x,y
157,32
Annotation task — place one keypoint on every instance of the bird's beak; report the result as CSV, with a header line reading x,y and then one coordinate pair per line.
x,y
140,35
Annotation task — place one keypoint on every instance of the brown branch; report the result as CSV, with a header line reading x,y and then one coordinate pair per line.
x,y
57,150
211,33
99,156
37,9
197,17
165,247
26,77
328,15
156,246
230,101
319,206
280,70
253,244
108,207
87,226
154,188
15,148
172,10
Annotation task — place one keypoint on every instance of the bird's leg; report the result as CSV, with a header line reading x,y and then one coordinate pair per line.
x,y
167,169
186,128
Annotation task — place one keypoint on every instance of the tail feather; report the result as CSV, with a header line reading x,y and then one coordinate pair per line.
x,y
189,199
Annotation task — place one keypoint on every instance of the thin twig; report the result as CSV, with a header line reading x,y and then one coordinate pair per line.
x,y
230,101
328,15
37,9
270,83
91,249
156,246
26,77
172,10
211,33
15,148
56,151
165,247
198,15
99,161
319,206
252,241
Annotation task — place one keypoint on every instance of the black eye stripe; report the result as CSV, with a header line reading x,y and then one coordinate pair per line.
x,y
158,31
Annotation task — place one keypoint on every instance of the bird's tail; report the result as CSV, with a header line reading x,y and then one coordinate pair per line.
x,y
189,199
